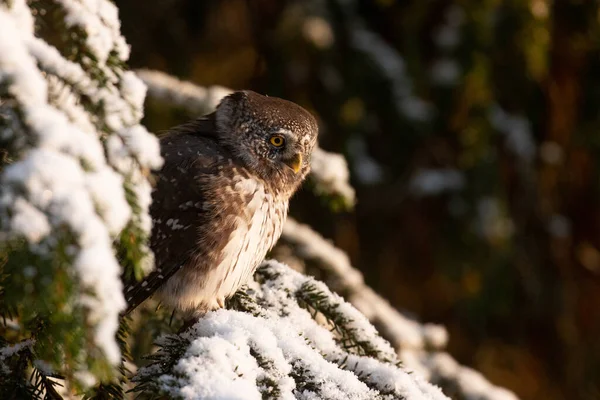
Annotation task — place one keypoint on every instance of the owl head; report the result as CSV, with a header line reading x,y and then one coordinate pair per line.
x,y
274,138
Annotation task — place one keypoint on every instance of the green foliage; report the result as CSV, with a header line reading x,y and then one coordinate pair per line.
x,y
45,296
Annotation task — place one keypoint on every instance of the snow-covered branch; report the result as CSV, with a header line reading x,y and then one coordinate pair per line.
x,y
76,180
196,100
419,345
282,351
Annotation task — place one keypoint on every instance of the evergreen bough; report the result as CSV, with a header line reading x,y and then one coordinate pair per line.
x,y
285,336
74,192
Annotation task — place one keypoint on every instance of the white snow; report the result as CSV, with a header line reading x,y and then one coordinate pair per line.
x,y
142,145
312,246
64,178
330,171
419,345
28,221
470,383
234,355
196,99
9,351
517,132
99,19
445,72
85,378
430,182
106,188
133,89
342,276
448,36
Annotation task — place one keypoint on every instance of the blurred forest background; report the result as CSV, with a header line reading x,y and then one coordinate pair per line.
x,y
473,135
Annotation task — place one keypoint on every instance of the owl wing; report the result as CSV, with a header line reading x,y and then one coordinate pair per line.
x,y
193,158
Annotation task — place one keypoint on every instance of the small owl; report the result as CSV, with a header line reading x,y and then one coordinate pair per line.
x,y
221,198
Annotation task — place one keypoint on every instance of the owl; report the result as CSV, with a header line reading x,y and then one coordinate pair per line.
x,y
221,199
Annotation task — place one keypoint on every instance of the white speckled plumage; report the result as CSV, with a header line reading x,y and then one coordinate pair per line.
x,y
253,236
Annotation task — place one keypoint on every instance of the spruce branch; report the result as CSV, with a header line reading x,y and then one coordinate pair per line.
x,y
274,348
70,117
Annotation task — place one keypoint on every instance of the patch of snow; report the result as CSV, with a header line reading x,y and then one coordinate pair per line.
x,y
448,36
11,350
445,72
197,100
99,19
330,171
470,383
28,221
313,247
517,132
85,378
431,182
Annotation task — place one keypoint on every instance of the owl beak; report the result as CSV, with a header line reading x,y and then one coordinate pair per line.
x,y
295,162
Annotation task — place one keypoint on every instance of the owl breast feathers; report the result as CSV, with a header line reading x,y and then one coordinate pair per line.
x,y
221,198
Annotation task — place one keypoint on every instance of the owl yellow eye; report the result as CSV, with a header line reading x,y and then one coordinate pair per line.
x,y
277,140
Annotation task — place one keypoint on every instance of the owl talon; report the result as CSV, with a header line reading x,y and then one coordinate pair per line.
x,y
221,302
187,324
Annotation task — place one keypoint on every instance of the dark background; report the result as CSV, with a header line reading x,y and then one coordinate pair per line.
x,y
472,132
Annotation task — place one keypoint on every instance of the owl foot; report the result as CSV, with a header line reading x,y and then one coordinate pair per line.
x,y
187,324
221,302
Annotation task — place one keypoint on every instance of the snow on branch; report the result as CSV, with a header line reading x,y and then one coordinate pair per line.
x,y
8,351
270,345
419,345
441,369
79,155
329,174
196,100
331,177
431,182
402,332
517,132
